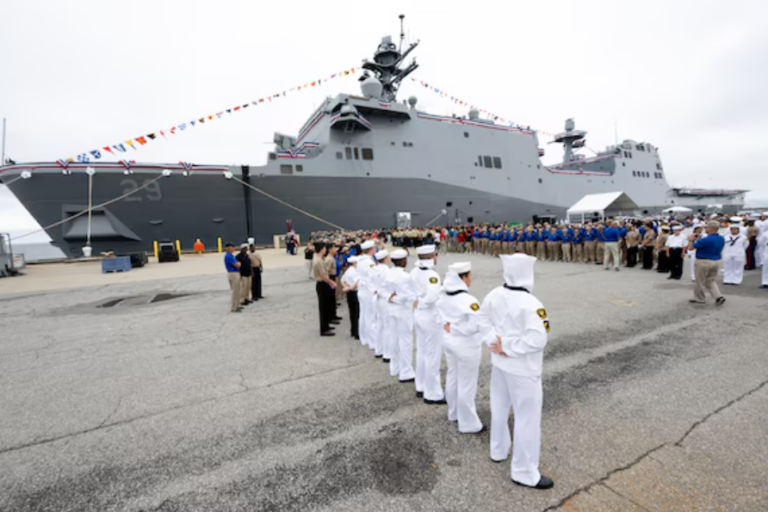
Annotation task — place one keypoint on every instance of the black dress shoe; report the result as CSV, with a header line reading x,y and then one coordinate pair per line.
x,y
435,402
407,381
379,356
498,461
328,333
419,394
544,483
384,360
337,319
334,322
720,301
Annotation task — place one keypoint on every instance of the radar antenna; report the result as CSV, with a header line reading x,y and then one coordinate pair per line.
x,y
387,61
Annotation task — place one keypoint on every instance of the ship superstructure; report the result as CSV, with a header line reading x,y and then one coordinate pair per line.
x,y
358,161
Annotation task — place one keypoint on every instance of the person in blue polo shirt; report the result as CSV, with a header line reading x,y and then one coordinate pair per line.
x,y
611,239
709,252
577,240
233,276
567,236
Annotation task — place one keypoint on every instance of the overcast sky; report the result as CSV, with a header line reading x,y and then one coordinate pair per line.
x,y
689,76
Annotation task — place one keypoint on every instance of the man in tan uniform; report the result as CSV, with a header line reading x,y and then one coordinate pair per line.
x,y
257,267
324,287
632,243
330,268
648,243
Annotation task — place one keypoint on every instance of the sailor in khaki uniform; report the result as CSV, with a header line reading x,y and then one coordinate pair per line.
x,y
429,328
518,324
401,299
460,313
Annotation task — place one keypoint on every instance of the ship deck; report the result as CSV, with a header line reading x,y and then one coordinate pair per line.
x,y
650,403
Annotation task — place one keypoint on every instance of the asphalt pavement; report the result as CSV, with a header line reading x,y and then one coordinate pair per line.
x,y
151,396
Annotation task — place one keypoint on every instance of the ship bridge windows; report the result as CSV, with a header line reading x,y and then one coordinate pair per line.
x,y
286,169
466,135
497,162
357,154
348,153
487,162
367,154
338,155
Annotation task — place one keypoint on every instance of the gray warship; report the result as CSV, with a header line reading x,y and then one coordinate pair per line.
x,y
358,162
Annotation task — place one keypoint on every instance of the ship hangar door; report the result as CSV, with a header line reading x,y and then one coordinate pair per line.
x,y
403,220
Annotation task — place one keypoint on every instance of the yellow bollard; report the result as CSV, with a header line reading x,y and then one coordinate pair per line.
x,y
157,250
178,247
219,244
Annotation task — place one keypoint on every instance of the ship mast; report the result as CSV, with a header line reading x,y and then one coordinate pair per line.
x,y
386,64
570,139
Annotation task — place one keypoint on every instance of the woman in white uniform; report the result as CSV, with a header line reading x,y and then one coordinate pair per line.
x,y
460,313
734,255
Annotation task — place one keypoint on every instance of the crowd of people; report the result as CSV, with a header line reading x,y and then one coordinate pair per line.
x,y
244,275
388,302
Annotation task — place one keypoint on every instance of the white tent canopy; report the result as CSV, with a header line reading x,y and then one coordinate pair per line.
x,y
677,209
599,204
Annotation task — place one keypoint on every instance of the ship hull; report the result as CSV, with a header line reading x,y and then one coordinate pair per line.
x,y
211,207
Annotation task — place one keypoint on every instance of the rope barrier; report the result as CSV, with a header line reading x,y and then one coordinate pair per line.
x,y
287,204
433,220
87,210
14,180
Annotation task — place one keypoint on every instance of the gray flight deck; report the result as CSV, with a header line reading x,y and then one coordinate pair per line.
x,y
650,403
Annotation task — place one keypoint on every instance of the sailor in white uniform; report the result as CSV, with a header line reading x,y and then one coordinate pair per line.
x,y
761,252
734,255
401,300
366,295
429,328
460,314
520,324
692,252
762,243
384,329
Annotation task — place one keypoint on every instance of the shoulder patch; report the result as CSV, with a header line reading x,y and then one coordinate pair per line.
x,y
542,313
372,265
546,325
474,306
433,280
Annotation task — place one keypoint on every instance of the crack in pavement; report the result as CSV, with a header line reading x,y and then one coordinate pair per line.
x,y
171,409
647,454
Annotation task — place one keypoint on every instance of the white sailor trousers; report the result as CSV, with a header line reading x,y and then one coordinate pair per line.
x,y
692,260
429,354
461,385
524,396
367,323
733,268
386,341
402,324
